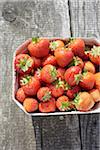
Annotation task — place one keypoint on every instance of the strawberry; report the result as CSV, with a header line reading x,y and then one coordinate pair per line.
x,y
30,104
23,63
94,55
48,106
48,74
73,75
87,81
30,85
63,56
63,103
39,47
77,45
20,95
44,94
84,101
88,66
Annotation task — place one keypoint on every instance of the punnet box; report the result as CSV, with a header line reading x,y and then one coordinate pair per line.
x,y
23,49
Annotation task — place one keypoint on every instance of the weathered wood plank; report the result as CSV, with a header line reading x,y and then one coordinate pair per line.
x,y
59,133
85,21
84,15
90,131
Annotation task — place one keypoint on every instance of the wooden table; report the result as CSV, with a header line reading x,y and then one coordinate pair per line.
x,y
20,20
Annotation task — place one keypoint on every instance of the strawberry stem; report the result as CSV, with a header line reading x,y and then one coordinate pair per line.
x,y
59,83
47,96
76,61
76,99
78,78
53,45
24,64
53,72
65,105
25,80
35,40
66,86
95,51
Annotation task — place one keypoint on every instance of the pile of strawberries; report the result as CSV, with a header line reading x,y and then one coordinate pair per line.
x,y
58,75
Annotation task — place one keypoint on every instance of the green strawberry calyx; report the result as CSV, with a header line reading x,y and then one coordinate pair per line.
x,y
25,80
59,83
53,72
76,61
71,40
53,45
84,72
76,99
65,106
66,86
24,64
47,96
95,51
35,40
78,78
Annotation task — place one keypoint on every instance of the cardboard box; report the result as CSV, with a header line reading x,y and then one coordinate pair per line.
x,y
22,49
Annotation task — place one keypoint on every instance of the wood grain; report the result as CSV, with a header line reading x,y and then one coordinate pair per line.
x,y
85,21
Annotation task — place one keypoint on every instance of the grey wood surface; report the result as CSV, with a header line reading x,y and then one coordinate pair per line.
x,y
20,20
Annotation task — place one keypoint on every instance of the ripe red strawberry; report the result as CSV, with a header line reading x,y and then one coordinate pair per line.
x,y
30,104
73,91
57,88
63,103
87,81
30,85
78,47
44,94
48,106
73,75
39,47
84,101
94,55
23,63
20,95
63,56
50,59
48,74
